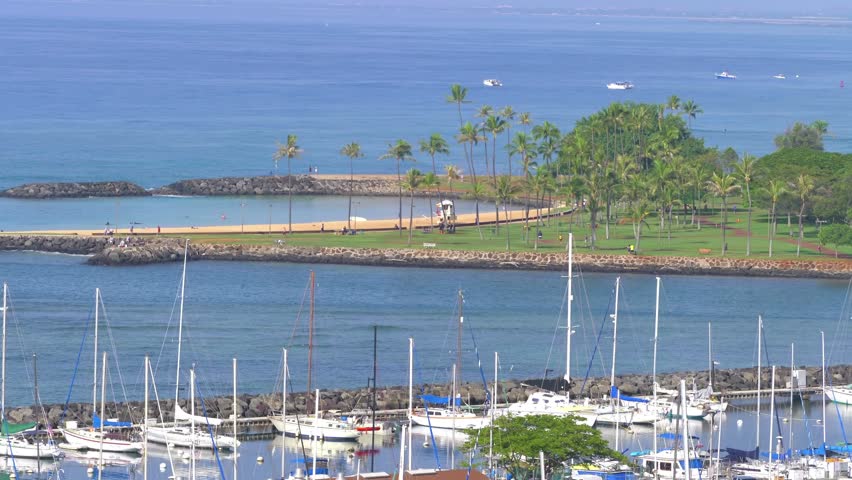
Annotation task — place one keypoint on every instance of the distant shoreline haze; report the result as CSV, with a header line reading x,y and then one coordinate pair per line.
x,y
266,11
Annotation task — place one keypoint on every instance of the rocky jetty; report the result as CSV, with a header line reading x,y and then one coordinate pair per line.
x,y
391,398
161,251
75,245
278,185
75,190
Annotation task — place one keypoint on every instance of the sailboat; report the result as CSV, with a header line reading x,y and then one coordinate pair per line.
x,y
304,426
178,433
95,438
12,442
449,414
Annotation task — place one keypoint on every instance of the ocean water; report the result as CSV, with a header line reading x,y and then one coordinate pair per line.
x,y
153,101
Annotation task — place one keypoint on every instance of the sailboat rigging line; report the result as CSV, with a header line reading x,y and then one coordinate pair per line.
x,y
299,436
769,362
76,367
597,342
479,364
842,324
166,335
426,409
162,420
115,358
555,334
210,430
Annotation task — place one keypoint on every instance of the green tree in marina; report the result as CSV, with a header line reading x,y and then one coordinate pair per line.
x,y
775,189
411,183
430,181
638,214
801,135
401,152
723,186
519,439
435,145
802,187
524,146
691,110
352,151
477,192
458,95
525,119
836,234
744,171
509,114
495,126
673,104
469,135
288,150
505,192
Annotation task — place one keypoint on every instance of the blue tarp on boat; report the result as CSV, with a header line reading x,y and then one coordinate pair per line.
x,y
439,400
614,393
96,422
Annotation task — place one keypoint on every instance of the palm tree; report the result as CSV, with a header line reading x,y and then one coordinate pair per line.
x,y
525,119
288,150
458,95
435,145
506,192
691,110
802,187
430,181
774,189
508,113
411,183
722,186
401,152
673,104
453,173
698,180
524,146
353,151
484,111
637,214
744,172
495,126
477,192
469,134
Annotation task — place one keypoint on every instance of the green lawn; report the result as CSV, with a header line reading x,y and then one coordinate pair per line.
x,y
686,239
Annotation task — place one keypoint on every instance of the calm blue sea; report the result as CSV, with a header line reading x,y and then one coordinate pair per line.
x,y
153,101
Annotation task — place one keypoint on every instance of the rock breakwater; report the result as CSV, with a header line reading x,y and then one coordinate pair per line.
x,y
75,190
392,398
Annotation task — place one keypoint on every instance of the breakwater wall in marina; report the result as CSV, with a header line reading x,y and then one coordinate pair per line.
x,y
147,250
75,190
391,398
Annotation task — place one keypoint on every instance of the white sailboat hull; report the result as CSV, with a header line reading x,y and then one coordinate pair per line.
x,y
842,395
17,447
182,437
85,439
458,421
306,427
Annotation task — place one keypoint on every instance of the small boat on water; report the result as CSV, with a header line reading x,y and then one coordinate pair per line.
x,y
780,76
726,75
619,86
492,82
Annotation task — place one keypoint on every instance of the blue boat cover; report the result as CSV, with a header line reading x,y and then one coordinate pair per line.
x,y
672,436
439,400
614,393
693,463
96,422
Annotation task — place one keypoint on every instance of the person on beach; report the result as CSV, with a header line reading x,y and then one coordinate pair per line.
x,y
158,229
322,228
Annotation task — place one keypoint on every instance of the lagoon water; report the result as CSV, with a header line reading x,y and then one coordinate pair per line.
x,y
153,101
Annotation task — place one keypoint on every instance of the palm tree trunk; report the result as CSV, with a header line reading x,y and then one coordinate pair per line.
x,y
799,240
410,218
477,219
351,180
608,206
724,217
508,229
399,183
771,228
434,168
289,198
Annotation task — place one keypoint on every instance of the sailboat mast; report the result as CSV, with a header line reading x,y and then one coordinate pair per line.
x,y
614,331
236,454
710,355
570,300
95,369
771,412
491,424
103,417
284,412
686,440
792,388
145,423
311,336
3,366
654,373
759,354
822,345
180,326
373,402
459,341
410,395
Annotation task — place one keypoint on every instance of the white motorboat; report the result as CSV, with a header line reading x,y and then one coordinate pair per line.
x,y
549,403
726,75
492,82
780,76
185,436
662,463
448,418
17,446
324,429
619,86
842,395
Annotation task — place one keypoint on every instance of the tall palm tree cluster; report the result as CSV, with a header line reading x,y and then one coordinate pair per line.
x,y
622,164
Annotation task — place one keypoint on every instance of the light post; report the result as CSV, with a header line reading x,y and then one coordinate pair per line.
x,y
270,218
242,217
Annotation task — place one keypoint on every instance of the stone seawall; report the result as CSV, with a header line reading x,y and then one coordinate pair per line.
x,y
389,398
169,251
147,250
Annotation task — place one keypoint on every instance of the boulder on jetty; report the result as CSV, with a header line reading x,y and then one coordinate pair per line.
x,y
76,190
